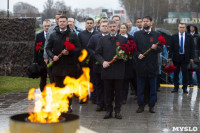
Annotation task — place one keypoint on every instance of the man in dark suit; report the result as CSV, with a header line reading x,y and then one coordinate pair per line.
x,y
84,38
112,74
147,66
39,51
97,67
181,53
66,65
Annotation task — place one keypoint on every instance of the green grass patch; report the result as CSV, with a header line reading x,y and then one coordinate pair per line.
x,y
13,84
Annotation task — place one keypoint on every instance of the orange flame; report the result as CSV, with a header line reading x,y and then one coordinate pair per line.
x,y
54,100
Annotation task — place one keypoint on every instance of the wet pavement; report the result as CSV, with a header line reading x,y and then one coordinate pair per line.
x,y
174,113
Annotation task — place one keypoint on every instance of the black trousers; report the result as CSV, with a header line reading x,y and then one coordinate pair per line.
x,y
183,66
43,80
59,83
99,87
125,89
51,77
112,90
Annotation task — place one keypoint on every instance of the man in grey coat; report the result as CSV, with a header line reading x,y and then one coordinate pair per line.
x,y
46,57
112,74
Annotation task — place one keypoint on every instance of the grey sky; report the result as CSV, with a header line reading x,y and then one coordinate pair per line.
x,y
110,4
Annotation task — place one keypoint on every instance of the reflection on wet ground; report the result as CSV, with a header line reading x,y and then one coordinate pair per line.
x,y
174,112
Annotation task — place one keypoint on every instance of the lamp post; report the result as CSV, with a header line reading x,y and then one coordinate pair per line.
x,y
8,8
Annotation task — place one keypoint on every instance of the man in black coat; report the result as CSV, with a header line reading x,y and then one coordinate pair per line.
x,y
39,51
112,74
181,53
84,38
97,67
147,66
66,65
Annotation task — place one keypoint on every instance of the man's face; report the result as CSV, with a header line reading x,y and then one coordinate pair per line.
x,y
192,29
117,20
57,18
89,25
71,24
46,26
112,29
62,23
130,25
104,28
139,23
181,28
146,23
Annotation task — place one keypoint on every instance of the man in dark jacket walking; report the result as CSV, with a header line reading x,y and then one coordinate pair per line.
x,y
181,53
97,67
66,65
112,74
193,30
147,66
39,51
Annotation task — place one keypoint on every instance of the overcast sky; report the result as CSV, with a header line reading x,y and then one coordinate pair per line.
x,y
110,4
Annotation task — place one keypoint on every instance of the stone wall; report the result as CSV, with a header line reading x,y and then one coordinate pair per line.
x,y
17,38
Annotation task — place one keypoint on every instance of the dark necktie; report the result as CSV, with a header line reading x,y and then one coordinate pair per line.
x,y
181,47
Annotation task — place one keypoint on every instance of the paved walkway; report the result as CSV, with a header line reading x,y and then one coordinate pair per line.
x,y
172,111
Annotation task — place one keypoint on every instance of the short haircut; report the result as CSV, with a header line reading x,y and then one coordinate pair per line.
x,y
137,19
125,25
71,19
63,17
148,17
89,19
116,16
112,22
47,21
181,24
103,23
58,14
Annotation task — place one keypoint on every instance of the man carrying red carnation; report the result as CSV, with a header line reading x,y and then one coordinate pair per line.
x,y
38,53
65,65
147,65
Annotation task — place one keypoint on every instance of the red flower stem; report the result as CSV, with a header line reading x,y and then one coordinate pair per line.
x,y
113,60
150,49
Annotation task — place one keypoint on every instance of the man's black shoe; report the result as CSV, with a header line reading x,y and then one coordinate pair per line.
x,y
99,108
185,91
140,109
174,90
151,110
118,116
108,115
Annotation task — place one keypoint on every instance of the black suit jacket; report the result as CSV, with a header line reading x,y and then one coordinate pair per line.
x,y
38,55
105,51
175,47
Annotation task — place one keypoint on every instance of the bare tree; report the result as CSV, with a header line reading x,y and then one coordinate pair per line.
x,y
22,9
49,10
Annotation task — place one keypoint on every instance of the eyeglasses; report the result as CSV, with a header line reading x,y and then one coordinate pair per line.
x,y
89,23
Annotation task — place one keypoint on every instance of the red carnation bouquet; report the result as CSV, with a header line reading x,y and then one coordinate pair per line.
x,y
161,40
124,51
68,46
38,46
170,68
